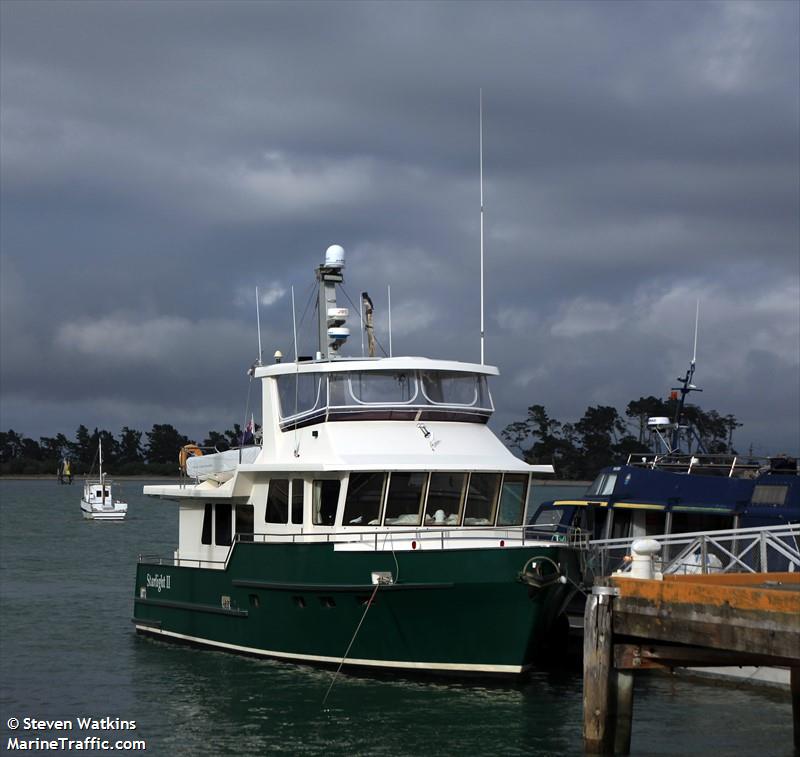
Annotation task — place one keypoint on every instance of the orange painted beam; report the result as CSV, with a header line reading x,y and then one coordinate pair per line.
x,y
780,601
737,579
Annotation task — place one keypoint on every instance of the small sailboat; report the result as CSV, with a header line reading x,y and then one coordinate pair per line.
x,y
97,502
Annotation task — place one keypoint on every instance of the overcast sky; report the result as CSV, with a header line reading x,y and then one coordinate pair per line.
x,y
160,160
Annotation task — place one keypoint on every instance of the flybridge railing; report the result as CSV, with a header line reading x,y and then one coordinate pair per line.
x,y
720,465
415,539
743,550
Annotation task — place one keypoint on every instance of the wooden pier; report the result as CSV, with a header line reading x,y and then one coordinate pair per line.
x,y
635,624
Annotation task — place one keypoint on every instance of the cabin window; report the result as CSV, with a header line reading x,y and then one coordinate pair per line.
x,y
278,501
593,520
362,506
512,499
687,523
222,525
299,393
481,499
244,522
551,518
404,499
603,485
769,494
207,516
383,387
445,499
297,501
443,388
324,501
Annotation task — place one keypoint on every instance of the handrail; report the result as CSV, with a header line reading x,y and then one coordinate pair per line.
x,y
753,549
385,540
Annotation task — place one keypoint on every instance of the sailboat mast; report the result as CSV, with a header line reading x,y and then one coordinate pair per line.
x,y
102,479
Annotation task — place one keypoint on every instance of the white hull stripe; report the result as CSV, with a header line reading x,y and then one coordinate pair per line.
x,y
444,666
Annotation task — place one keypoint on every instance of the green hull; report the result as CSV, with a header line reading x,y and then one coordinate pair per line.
x,y
457,611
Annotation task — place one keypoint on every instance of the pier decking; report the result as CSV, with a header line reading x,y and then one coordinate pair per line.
x,y
695,620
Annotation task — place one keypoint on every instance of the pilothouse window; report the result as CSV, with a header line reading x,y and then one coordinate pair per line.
x,y
300,393
362,505
404,500
603,485
383,387
512,499
445,498
443,388
481,499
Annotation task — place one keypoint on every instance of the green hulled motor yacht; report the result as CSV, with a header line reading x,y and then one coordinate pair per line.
x,y
378,521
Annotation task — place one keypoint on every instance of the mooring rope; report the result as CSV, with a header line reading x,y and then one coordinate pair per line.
x,y
347,651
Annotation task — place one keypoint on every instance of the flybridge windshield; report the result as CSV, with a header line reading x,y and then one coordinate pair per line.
x,y
384,395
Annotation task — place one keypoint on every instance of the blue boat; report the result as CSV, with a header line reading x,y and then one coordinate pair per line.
x,y
672,491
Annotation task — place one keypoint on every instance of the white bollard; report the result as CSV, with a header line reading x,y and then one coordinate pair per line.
x,y
643,551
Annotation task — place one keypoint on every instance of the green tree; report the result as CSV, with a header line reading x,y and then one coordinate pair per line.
x,y
217,441
644,408
130,446
164,442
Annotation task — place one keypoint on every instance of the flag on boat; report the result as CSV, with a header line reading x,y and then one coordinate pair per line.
x,y
249,431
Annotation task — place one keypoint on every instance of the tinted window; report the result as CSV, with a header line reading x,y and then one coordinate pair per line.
x,y
278,501
404,500
445,497
222,523
325,500
207,515
362,506
244,522
481,499
512,499
297,500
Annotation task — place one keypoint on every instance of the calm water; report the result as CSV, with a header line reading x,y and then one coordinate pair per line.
x,y
67,648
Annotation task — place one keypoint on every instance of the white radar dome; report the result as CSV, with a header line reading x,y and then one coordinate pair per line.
x,y
334,256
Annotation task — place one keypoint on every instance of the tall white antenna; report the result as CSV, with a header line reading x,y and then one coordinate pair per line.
x,y
389,291
258,321
480,150
294,327
696,323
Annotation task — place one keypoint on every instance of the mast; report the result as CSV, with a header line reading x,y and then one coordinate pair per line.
x,y
331,332
686,386
102,479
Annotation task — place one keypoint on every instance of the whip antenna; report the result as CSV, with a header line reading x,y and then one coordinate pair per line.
x,y
480,151
258,323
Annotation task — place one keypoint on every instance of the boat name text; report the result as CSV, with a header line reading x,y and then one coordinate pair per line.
x,y
158,582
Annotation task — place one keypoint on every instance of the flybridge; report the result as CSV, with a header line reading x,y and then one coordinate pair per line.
x,y
334,388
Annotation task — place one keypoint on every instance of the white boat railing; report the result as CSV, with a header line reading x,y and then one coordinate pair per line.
x,y
742,550
379,541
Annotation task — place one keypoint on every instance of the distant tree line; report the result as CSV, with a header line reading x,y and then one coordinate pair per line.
x,y
132,452
576,450
603,437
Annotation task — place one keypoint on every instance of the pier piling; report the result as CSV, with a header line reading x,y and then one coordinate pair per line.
x,y
635,624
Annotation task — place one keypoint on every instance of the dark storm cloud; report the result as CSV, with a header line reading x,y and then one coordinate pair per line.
x,y
160,160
